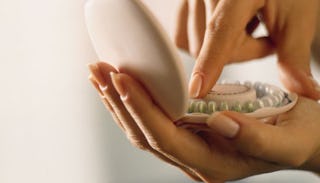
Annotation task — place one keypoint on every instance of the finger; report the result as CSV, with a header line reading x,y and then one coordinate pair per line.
x,y
196,25
294,53
181,29
105,102
210,6
296,80
253,48
222,36
295,72
175,143
279,144
101,72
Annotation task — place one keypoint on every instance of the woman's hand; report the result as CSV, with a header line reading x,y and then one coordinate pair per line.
x,y
218,32
237,147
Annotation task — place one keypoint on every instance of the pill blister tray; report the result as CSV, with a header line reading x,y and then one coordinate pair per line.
x,y
258,100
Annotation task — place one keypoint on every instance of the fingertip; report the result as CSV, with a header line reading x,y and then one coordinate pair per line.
x,y
242,118
120,82
105,67
195,85
203,78
95,84
223,125
96,74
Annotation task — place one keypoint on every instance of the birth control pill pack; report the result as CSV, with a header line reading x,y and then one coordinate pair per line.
x,y
126,35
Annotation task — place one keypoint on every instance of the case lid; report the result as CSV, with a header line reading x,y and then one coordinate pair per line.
x,y
127,36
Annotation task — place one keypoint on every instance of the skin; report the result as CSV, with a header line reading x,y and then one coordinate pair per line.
x,y
289,141
219,32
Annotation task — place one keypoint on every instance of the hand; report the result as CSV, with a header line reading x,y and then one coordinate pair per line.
x,y
237,147
218,32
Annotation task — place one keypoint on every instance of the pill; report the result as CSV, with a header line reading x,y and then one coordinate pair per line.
x,y
256,85
212,107
202,107
192,106
248,84
257,104
196,108
261,90
237,107
223,106
267,102
275,100
248,107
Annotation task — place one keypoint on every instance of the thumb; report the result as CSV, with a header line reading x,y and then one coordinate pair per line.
x,y
263,141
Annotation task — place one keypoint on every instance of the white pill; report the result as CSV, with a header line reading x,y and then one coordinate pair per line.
x,y
257,104
248,84
275,100
267,102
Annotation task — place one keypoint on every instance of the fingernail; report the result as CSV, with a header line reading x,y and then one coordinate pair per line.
x,y
195,85
315,83
119,85
95,84
223,125
97,74
103,88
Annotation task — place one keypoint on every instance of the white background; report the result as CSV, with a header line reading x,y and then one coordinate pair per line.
x,y
53,128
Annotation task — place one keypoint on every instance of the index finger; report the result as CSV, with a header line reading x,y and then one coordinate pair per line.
x,y
223,34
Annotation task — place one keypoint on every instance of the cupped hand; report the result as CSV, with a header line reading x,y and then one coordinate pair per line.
x,y
237,146
218,32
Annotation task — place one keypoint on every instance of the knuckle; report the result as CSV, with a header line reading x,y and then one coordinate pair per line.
x,y
160,146
163,143
217,25
296,161
138,142
258,144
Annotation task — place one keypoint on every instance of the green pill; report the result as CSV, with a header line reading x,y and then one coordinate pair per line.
x,y
248,107
202,106
223,106
212,107
237,107
192,107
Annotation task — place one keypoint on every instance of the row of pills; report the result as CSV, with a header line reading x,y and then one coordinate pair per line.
x,y
201,106
267,96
